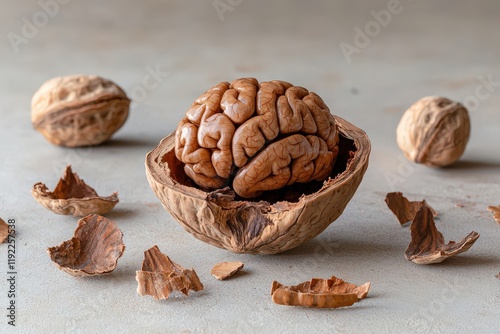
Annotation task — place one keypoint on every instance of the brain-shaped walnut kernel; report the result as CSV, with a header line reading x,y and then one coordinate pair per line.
x,y
257,136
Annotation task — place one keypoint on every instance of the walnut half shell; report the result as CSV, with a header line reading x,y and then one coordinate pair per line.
x,y
273,222
72,196
79,110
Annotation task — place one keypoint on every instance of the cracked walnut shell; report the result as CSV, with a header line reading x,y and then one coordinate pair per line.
x,y
434,131
296,191
79,110
72,196
160,276
320,293
94,249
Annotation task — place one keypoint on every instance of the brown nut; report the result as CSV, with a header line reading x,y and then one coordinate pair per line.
x,y
434,131
79,110
276,220
257,137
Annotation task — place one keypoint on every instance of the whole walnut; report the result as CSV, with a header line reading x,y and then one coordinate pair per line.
x,y
434,131
79,110
257,137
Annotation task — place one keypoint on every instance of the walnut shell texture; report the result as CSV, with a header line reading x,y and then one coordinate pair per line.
x,y
275,221
434,131
427,243
160,276
257,136
94,249
223,270
4,231
319,293
72,196
403,209
79,110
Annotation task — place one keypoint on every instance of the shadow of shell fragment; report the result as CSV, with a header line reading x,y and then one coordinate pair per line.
x,y
72,196
95,248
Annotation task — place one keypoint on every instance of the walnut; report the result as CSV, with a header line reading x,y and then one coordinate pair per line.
x,y
94,249
160,276
427,243
223,270
320,293
260,137
79,110
434,131
72,196
272,142
4,231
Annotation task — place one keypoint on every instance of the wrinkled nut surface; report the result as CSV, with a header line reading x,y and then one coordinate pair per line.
x,y
257,137
223,270
79,110
403,209
94,249
160,276
4,231
427,243
320,293
496,212
434,131
72,196
276,220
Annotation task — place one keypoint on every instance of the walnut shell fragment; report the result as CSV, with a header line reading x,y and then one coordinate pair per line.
x,y
160,276
320,293
271,223
403,209
427,243
4,231
496,212
79,110
72,196
223,270
94,249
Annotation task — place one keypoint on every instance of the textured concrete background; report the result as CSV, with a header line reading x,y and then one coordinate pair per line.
x,y
444,48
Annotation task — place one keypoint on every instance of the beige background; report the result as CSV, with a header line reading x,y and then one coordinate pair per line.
x,y
426,48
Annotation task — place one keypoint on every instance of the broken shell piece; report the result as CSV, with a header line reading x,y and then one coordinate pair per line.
x,y
72,196
403,209
94,249
160,276
320,293
223,270
496,212
4,231
427,243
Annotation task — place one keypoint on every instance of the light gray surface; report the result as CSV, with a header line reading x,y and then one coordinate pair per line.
x,y
429,48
